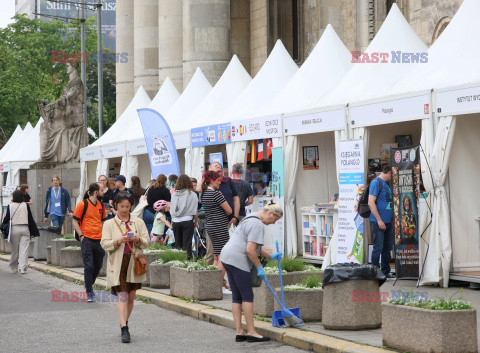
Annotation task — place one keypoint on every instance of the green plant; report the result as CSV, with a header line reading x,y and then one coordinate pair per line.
x,y
157,246
72,248
172,255
68,236
444,303
289,264
312,282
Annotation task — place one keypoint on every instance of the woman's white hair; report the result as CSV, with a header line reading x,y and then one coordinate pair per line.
x,y
275,208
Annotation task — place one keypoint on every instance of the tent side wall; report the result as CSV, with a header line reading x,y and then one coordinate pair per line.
x,y
144,171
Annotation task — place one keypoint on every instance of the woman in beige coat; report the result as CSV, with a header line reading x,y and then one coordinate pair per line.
x,y
121,235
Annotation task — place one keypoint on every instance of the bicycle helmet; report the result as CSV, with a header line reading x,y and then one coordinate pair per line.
x,y
160,205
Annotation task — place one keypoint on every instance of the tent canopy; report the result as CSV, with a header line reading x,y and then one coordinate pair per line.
x,y
196,91
370,80
11,141
229,86
278,69
326,65
28,152
15,145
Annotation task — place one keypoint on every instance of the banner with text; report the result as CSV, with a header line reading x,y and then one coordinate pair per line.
x,y
350,224
258,128
162,153
406,190
211,135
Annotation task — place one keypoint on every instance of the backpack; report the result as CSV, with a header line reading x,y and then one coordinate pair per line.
x,y
363,208
85,207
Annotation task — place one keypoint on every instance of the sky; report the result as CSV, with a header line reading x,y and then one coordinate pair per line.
x,y
7,12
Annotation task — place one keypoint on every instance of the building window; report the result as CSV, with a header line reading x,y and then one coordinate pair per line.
x,y
284,24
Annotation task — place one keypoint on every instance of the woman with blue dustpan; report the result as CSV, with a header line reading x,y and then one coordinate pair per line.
x,y
239,256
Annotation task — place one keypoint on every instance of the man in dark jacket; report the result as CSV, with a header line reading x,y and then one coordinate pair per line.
x,y
57,203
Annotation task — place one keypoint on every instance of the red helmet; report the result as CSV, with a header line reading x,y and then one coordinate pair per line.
x,y
160,205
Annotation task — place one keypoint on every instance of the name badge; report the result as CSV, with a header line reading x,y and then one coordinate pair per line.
x,y
57,204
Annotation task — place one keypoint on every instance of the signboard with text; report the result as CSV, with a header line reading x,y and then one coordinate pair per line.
x,y
458,101
258,128
211,135
315,122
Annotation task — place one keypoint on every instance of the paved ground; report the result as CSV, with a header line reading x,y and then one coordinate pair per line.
x,y
31,322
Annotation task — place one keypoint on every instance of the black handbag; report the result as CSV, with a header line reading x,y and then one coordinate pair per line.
x,y
256,279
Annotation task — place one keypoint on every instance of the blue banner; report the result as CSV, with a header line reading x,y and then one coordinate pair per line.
x,y
162,153
216,157
211,135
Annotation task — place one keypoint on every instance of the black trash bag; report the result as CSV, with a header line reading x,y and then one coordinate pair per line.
x,y
348,271
51,229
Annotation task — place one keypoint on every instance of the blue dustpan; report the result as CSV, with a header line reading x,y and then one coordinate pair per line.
x,y
277,317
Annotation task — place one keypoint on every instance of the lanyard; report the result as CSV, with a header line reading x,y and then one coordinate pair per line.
x,y
56,194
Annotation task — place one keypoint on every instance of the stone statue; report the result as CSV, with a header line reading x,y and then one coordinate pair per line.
x,y
62,133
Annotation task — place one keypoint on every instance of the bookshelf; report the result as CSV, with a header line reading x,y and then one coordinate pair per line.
x,y
317,231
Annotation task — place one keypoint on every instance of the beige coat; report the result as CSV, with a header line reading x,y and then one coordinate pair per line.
x,y
110,235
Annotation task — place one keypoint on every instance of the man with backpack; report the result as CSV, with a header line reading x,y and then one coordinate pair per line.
x,y
381,219
88,223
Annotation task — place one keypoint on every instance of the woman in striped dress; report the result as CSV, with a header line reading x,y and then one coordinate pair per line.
x,y
218,214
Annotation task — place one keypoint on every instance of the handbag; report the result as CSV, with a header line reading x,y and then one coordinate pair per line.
x,y
141,262
5,227
256,279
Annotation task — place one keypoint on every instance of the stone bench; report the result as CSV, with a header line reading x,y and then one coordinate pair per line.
x,y
71,258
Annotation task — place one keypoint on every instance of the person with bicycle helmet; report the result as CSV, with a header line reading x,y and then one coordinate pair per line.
x,y
158,229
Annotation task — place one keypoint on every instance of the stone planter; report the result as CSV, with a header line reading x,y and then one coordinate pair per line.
x,y
309,301
196,285
151,256
407,328
2,243
57,245
103,270
49,254
341,311
41,243
159,275
71,258
264,302
31,247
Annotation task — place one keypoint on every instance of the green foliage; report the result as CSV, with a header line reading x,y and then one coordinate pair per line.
x,y
27,72
68,236
289,264
157,246
171,255
312,282
72,248
445,303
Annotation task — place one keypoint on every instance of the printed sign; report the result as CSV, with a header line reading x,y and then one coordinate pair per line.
x,y
315,122
258,128
458,101
216,157
4,167
211,135
350,224
112,151
406,190
162,153
90,154
8,190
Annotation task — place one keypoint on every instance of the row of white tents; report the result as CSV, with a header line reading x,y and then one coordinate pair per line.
x,y
344,96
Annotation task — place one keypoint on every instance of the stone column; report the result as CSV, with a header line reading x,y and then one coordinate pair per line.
x,y
240,33
258,34
206,38
124,46
170,42
365,30
146,46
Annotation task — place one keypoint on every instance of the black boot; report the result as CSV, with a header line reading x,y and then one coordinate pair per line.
x,y
121,327
125,335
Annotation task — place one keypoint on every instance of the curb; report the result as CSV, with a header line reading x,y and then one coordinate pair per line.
x,y
307,340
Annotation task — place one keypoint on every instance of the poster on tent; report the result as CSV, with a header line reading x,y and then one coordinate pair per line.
x,y
211,135
406,190
162,153
350,224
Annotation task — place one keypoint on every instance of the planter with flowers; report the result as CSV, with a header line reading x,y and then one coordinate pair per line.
x,y
160,269
60,243
71,256
196,281
430,325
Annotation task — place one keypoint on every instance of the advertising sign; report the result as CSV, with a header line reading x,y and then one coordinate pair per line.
x,y
277,229
350,224
216,157
406,190
211,135
162,153
258,128
309,123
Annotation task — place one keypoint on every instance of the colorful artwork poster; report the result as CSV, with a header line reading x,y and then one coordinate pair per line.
x,y
211,135
406,190
350,225
278,229
310,157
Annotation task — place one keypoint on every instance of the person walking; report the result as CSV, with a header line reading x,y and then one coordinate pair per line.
x,y
57,203
380,203
244,189
26,197
229,191
158,192
218,214
136,189
123,235
88,223
184,212
22,227
107,192
238,257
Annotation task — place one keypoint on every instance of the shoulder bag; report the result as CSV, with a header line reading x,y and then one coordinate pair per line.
x,y
141,262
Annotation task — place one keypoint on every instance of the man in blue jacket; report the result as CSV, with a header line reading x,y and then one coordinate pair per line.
x,y
57,203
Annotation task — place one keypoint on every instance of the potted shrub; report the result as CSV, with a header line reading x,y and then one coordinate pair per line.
x,y
429,325
71,256
196,280
307,295
160,269
60,243
294,270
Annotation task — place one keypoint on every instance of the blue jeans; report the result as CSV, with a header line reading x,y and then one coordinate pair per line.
x,y
148,218
57,221
382,245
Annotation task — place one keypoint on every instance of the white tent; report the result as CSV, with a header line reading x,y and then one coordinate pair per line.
x,y
27,153
165,98
10,142
232,82
16,144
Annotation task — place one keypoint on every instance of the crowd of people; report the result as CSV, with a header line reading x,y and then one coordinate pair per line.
x,y
123,221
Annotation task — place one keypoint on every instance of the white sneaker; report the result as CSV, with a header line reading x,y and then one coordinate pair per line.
x,y
22,271
226,291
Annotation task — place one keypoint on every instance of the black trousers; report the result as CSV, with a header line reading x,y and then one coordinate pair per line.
x,y
183,232
92,254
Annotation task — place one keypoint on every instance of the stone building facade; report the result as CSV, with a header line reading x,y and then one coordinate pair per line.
x,y
172,37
